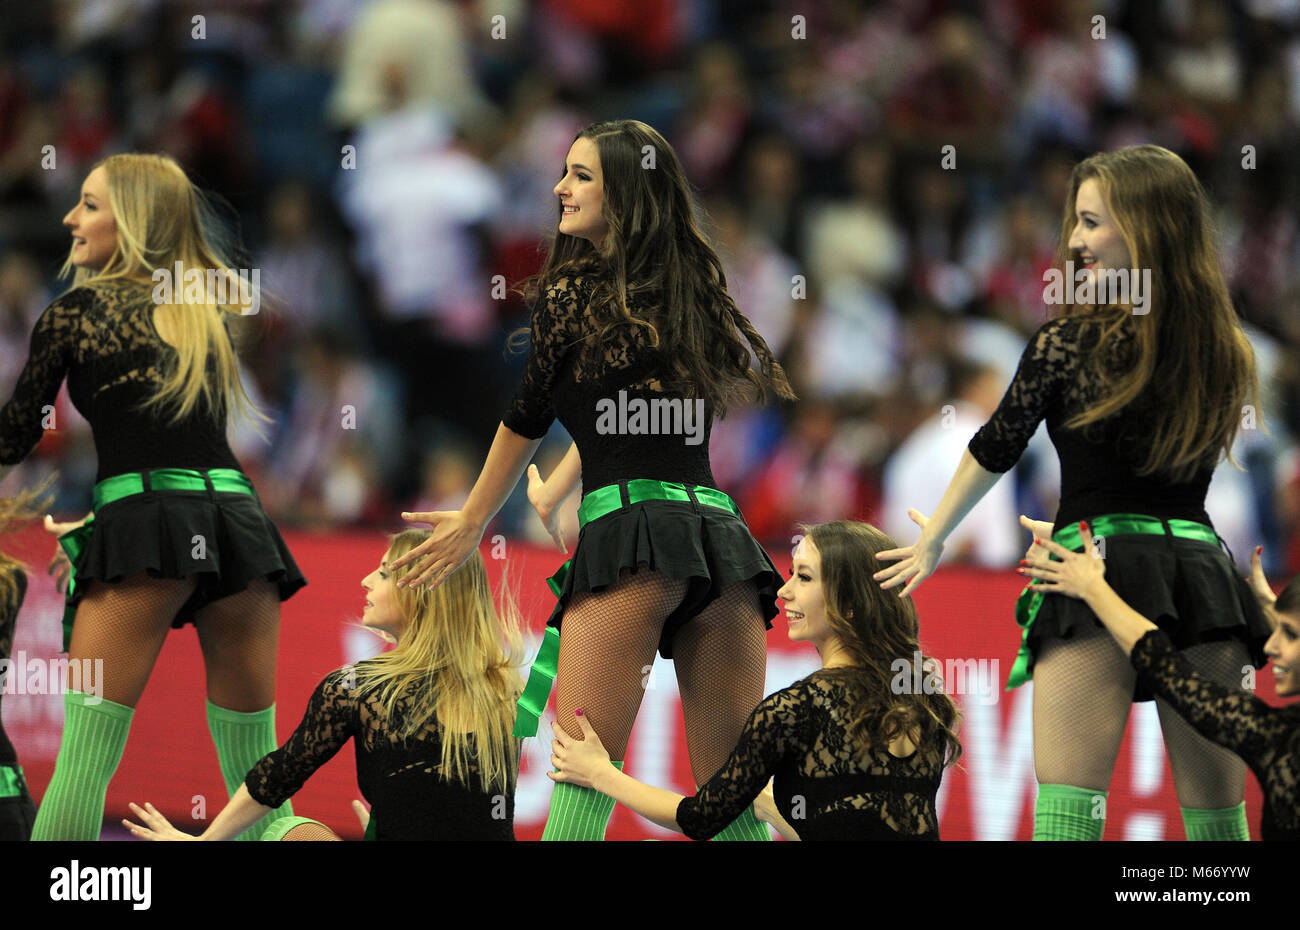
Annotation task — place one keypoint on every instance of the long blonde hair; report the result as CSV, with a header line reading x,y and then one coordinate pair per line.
x,y
162,220
1191,352
14,512
458,662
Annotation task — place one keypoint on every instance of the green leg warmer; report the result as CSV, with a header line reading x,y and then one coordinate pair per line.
x,y
242,739
94,735
578,813
1064,812
1226,824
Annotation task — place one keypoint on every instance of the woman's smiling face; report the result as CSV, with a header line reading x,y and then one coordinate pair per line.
x,y
94,231
582,194
805,600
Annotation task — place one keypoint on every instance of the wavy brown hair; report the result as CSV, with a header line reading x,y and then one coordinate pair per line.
x,y
877,629
655,249
1191,352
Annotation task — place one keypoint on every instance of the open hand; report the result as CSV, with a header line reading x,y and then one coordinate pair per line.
x,y
578,761
1075,574
918,561
454,539
156,827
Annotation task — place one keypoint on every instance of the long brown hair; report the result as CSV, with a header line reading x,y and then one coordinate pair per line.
x,y
1191,352
655,248
878,629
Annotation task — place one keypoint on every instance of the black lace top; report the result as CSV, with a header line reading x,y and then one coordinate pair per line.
x,y
8,620
800,736
1267,738
1055,381
103,340
409,798
569,373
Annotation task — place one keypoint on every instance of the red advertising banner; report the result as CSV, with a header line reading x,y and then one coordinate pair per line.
x,y
966,622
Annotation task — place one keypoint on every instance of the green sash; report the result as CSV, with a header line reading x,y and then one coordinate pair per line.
x,y
11,781
1110,524
599,503
74,542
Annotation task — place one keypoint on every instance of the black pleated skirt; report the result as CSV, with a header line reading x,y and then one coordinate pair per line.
x,y
225,540
708,546
1188,588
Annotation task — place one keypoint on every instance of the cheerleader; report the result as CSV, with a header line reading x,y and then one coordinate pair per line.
x,y
635,346
1141,389
177,534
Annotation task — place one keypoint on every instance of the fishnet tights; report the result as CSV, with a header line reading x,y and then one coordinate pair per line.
x,y
125,623
310,832
1083,689
721,659
607,650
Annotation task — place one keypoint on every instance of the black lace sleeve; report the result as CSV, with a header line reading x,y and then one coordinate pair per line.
x,y
331,719
556,327
1046,367
52,353
1236,720
774,732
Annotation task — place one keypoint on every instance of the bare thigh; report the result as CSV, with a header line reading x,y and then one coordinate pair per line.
x,y
240,637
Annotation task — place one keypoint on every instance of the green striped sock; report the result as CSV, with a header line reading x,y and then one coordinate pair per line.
x,y
1228,823
242,739
1064,812
745,827
94,735
578,813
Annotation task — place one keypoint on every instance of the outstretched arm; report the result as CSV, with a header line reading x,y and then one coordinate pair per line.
x,y
236,817
915,563
456,533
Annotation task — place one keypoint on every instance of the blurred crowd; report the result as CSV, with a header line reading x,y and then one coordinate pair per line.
x,y
391,166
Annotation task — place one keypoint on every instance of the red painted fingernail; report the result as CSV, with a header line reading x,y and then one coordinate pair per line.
x,y
1020,570
578,712
1038,542
1083,524
1258,550
1023,562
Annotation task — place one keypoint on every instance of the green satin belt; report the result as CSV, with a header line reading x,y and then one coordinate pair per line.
x,y
11,781
600,502
1110,524
118,487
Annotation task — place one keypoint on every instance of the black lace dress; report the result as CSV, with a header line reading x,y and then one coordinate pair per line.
x,y
823,787
1267,738
103,340
409,797
572,374
1189,588
17,812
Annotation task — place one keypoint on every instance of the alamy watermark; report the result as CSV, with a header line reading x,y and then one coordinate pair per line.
x,y
660,416
963,676
180,285
1106,286
21,675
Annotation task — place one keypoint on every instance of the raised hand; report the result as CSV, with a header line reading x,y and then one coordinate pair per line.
x,y
455,537
917,561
